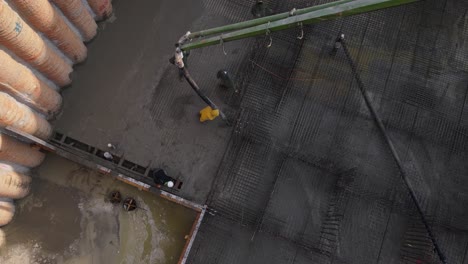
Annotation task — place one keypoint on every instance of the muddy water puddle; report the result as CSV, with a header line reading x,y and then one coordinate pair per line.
x,y
68,218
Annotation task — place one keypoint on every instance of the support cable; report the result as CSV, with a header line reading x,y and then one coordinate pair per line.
x,y
389,142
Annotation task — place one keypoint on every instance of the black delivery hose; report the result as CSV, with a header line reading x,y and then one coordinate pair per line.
x,y
396,157
197,89
179,61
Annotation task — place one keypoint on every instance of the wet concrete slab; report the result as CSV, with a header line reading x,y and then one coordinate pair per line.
x,y
68,218
128,94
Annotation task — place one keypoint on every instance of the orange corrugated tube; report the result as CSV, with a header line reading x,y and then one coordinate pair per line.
x,y
42,15
77,13
21,39
7,211
14,185
22,118
14,151
21,83
2,238
102,8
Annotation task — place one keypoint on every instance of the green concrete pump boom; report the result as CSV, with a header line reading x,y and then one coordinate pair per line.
x,y
266,25
294,18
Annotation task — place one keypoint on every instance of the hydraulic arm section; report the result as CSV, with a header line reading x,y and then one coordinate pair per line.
x,y
267,25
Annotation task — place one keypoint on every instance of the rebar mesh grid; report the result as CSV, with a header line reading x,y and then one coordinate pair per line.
x,y
307,177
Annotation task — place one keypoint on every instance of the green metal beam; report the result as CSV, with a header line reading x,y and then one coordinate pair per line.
x,y
319,13
262,20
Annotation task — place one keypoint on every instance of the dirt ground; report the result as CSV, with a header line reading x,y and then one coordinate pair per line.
x,y
67,218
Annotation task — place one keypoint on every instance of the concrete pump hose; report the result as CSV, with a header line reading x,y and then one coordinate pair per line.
x,y
20,82
17,36
14,151
79,15
14,185
7,211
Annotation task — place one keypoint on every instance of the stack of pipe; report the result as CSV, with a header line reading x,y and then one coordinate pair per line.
x,y
7,211
14,185
21,117
42,16
18,37
39,43
2,238
20,82
17,152
76,11
101,8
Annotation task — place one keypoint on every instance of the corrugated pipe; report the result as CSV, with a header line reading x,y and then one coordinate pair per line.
x,y
102,8
14,151
7,211
21,117
2,238
79,15
21,39
21,83
42,15
14,185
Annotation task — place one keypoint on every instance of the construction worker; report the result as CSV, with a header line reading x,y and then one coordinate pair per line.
x,y
160,177
169,184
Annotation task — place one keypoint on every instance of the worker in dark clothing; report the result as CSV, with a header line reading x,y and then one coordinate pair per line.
x,y
160,177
